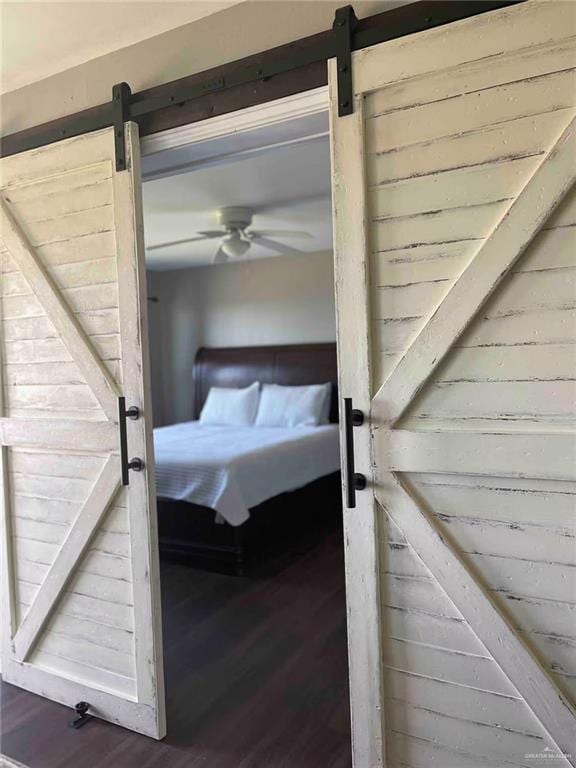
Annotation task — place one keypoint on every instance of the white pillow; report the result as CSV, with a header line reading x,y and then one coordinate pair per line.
x,y
231,407
291,406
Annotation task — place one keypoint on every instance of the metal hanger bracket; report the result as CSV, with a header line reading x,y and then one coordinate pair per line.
x,y
121,94
345,23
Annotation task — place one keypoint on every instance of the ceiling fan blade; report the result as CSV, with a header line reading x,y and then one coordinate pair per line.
x,y
204,236
272,245
281,233
220,257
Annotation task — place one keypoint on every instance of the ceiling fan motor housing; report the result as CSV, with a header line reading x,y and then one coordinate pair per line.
x,y
235,218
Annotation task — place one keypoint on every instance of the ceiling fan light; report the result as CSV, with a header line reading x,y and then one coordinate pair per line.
x,y
235,246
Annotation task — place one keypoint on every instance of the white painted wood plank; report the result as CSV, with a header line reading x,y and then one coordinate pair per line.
x,y
462,734
548,581
60,184
89,222
408,625
398,302
553,362
488,107
93,633
511,236
111,549
100,658
548,289
133,299
528,328
8,587
473,76
79,250
501,33
105,576
53,464
66,276
408,586
550,249
546,503
50,414
75,544
88,584
543,455
120,709
46,374
86,607
529,401
556,714
59,434
457,188
52,350
88,298
57,512
543,503
525,137
498,711
71,333
414,752
47,397
52,161
565,214
473,223
542,544
544,580
88,194
117,684
360,524
442,664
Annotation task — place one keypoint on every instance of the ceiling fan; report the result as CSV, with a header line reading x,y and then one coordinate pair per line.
x,y
235,237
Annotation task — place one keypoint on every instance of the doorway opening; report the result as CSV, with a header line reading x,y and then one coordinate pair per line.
x,y
238,230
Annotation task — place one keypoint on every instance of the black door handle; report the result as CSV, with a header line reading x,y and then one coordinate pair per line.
x,y
136,464
354,480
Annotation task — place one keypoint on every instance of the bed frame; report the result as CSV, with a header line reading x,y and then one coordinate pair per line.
x,y
284,522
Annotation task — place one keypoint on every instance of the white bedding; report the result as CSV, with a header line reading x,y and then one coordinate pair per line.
x,y
231,469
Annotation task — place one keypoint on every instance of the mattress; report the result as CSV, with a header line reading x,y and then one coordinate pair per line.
x,y
231,469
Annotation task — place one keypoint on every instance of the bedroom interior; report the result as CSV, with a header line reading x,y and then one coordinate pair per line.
x,y
240,282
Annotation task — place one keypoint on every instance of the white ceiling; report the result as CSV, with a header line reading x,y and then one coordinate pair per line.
x,y
288,188
42,38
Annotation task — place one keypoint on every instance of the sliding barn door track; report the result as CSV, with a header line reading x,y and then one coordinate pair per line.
x,y
153,109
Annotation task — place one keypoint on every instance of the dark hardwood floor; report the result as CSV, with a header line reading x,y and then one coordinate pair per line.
x,y
256,677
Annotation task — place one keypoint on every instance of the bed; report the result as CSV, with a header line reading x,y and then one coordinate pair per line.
x,y
227,496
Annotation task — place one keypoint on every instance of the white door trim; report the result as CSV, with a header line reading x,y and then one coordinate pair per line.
x,y
271,113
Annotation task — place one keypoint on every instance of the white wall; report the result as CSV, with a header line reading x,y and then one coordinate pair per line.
x,y
231,34
284,300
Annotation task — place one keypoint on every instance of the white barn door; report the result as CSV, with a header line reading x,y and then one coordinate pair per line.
x,y
455,222
81,608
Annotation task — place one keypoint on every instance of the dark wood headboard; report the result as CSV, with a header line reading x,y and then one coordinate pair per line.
x,y
294,364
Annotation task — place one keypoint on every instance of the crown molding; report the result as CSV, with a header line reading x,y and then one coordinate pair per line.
x,y
243,120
